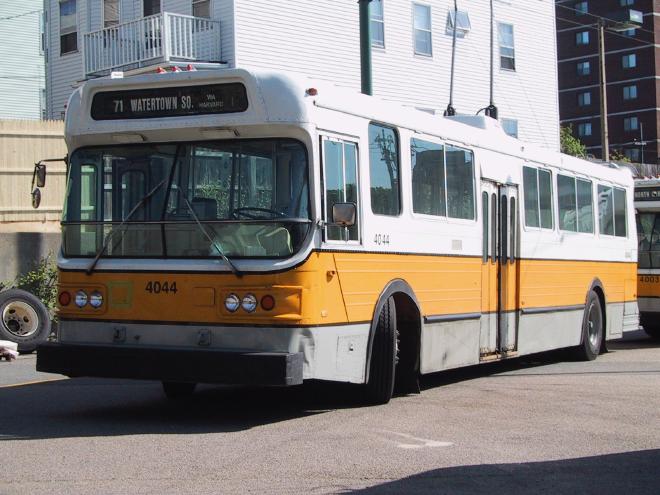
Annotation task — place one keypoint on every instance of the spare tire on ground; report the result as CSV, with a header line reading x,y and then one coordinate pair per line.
x,y
24,319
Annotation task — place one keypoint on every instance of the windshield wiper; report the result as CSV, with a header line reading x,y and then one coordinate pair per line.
x,y
138,205
211,240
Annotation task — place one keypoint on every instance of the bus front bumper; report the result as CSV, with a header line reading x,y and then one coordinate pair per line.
x,y
177,365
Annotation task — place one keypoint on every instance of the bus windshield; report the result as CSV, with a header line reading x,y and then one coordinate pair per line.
x,y
240,198
648,232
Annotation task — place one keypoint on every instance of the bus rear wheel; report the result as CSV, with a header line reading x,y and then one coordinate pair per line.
x,y
380,385
178,390
592,330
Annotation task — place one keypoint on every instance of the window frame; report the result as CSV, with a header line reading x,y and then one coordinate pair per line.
x,y
160,8
628,123
502,46
375,20
626,61
581,8
585,64
625,216
577,230
429,31
582,38
522,208
69,31
210,2
397,137
104,22
632,88
585,124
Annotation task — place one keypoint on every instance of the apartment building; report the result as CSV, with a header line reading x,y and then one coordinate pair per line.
x,y
22,74
411,48
631,69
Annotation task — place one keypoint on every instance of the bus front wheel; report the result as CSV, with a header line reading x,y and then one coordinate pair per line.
x,y
380,385
592,330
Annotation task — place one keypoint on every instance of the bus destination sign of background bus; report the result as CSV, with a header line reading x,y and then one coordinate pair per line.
x,y
169,102
647,194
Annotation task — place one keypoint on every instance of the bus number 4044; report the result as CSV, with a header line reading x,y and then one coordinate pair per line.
x,y
382,239
156,287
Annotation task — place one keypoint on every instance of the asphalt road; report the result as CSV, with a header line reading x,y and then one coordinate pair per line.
x,y
537,425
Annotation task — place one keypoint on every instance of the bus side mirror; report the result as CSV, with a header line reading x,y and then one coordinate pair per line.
x,y
343,214
39,174
36,198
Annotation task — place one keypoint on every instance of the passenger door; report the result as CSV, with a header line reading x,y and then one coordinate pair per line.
x,y
500,248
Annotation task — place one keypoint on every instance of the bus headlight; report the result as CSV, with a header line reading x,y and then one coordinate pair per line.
x,y
96,299
232,302
81,298
249,303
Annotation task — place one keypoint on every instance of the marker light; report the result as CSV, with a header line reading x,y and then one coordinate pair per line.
x,y
64,298
267,302
249,303
81,298
96,299
191,68
160,70
312,92
232,303
176,69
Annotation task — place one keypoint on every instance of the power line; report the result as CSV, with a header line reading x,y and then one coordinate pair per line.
x,y
20,15
599,17
611,33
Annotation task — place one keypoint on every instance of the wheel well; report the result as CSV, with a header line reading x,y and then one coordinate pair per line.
x,y
409,327
601,297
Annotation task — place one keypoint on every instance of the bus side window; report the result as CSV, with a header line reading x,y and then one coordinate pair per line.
x,y
514,226
493,226
341,185
384,170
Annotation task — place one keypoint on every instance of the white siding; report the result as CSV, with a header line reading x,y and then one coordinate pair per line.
x,y
223,11
63,71
321,39
22,74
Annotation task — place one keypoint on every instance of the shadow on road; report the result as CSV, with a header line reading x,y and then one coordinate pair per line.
x,y
631,472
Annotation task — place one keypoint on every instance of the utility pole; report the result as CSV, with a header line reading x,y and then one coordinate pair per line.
x,y
604,133
365,47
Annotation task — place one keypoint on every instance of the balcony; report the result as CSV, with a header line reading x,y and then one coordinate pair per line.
x,y
157,39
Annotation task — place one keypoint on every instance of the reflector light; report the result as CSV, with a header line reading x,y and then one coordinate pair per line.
x,y
176,69
267,302
191,68
160,70
312,92
64,298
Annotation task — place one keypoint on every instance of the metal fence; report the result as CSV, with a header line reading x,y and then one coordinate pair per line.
x,y
163,38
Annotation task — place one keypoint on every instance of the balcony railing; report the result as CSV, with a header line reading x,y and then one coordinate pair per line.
x,y
155,39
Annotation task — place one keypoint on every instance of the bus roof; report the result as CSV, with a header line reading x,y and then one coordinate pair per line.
x,y
280,98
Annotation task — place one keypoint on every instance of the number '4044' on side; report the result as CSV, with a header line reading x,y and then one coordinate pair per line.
x,y
157,287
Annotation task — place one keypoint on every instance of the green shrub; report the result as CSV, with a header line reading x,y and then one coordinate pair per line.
x,y
40,281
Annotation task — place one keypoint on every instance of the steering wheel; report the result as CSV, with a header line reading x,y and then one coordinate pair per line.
x,y
249,212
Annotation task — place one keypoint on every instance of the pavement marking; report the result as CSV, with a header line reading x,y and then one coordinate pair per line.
x,y
35,382
423,443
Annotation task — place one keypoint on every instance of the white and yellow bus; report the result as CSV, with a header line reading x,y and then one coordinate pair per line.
x,y
252,228
647,205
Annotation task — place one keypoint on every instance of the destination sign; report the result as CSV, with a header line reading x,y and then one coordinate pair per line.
x,y
647,194
152,103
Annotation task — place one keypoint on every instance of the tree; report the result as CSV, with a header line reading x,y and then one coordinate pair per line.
x,y
570,144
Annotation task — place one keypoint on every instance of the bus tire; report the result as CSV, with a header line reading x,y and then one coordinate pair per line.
x,y
592,330
24,319
653,332
380,385
178,390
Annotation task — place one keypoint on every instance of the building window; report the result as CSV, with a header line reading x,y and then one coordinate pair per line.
x,y
630,124
201,8
510,127
581,8
630,92
633,154
583,68
507,50
422,29
629,32
151,7
584,99
625,3
110,13
377,19
384,170
463,25
68,27
582,38
584,129
629,61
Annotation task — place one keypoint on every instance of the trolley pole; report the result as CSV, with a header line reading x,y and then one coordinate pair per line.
x,y
365,47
